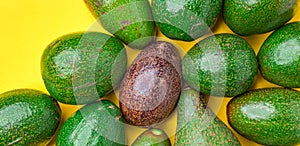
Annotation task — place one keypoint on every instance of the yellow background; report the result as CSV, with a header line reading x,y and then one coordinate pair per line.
x,y
28,26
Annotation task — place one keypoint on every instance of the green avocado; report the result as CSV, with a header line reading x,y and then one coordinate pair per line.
x,y
129,20
279,56
185,20
28,117
268,116
248,17
96,124
220,65
198,125
81,67
152,137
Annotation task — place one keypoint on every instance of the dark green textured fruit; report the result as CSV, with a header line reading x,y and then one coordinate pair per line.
x,y
79,68
279,56
221,65
198,125
96,124
247,17
152,137
185,19
129,20
28,117
268,116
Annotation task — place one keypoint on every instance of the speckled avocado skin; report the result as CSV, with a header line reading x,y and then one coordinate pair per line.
x,y
81,67
279,56
185,20
246,17
96,124
129,20
269,116
198,125
152,137
220,65
28,117
150,88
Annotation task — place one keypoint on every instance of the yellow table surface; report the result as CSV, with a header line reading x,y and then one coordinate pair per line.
x,y
27,27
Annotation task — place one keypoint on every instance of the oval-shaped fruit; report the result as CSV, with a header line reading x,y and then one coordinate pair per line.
x,y
28,117
153,137
129,20
151,87
185,20
79,68
279,56
95,124
198,125
247,17
269,116
220,65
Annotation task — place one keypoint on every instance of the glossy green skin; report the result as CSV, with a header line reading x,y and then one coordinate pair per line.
x,y
246,17
79,68
185,20
96,124
221,65
28,117
198,125
129,20
268,116
153,137
279,56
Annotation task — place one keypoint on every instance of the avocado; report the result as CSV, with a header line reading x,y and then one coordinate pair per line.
x,y
198,125
246,17
28,117
96,124
185,20
268,116
129,20
279,56
220,65
150,88
152,137
81,67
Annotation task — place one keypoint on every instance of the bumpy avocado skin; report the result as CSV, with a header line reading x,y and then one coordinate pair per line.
x,y
28,117
269,116
220,65
152,137
129,20
79,68
198,125
185,20
151,87
246,17
98,123
279,56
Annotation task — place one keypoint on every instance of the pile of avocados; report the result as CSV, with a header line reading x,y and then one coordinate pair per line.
x,y
82,68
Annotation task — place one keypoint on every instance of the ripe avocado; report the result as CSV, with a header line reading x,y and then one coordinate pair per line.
x,y
96,124
81,67
248,17
198,125
220,65
129,20
28,117
185,20
279,56
151,87
269,116
152,137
